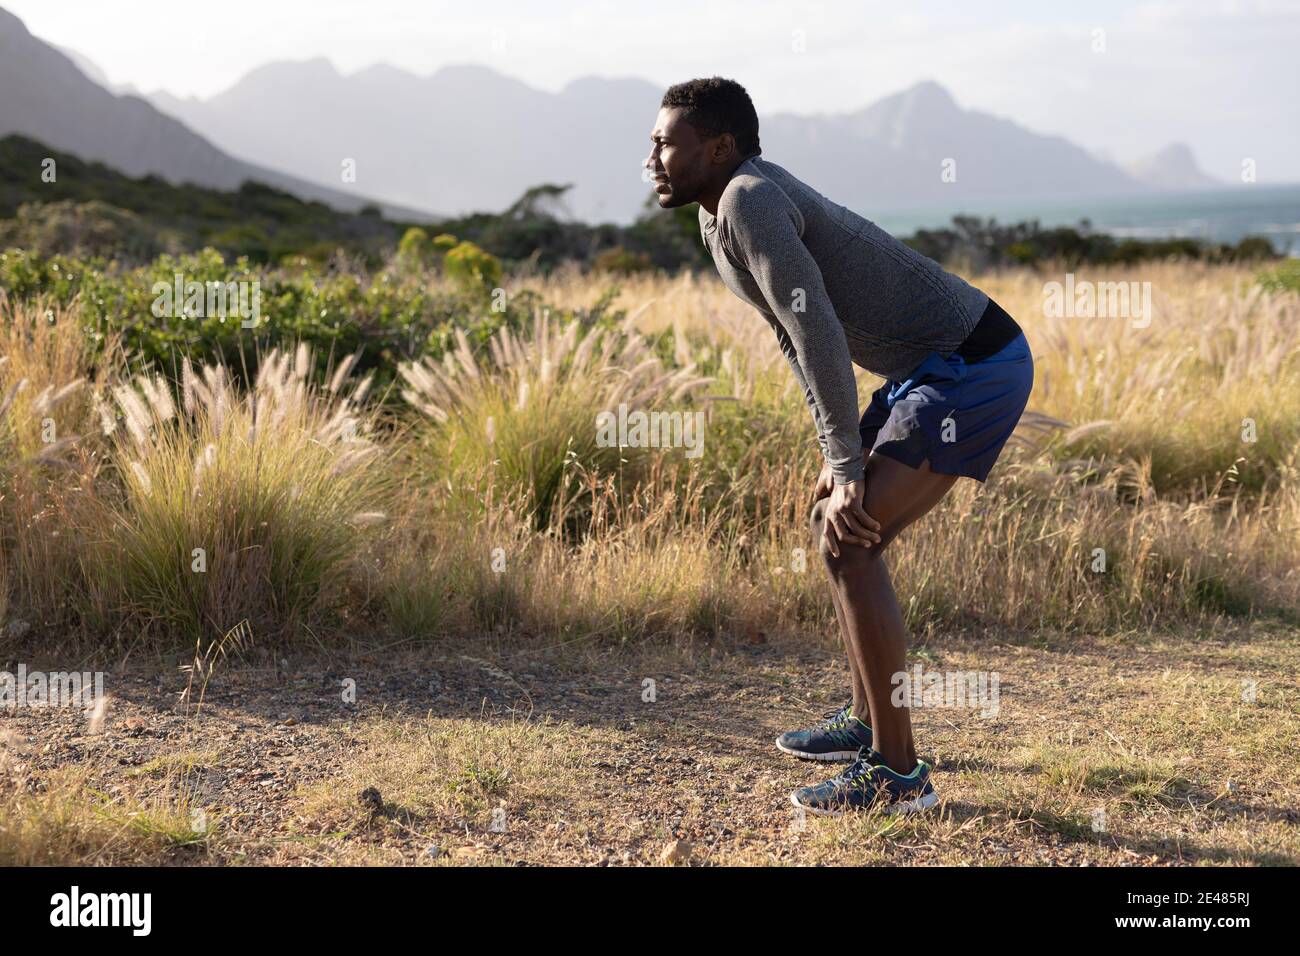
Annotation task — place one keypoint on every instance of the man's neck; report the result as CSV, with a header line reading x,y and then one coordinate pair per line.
x,y
711,197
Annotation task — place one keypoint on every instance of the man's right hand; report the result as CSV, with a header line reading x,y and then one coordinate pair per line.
x,y
825,482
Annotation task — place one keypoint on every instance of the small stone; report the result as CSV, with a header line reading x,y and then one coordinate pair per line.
x,y
372,800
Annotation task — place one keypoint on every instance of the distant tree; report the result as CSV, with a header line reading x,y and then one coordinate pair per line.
x,y
85,229
540,202
620,260
1254,248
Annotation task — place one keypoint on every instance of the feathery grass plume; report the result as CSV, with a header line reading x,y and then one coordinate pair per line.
x,y
526,415
45,367
1217,350
242,505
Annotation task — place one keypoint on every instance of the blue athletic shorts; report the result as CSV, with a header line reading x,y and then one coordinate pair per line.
x,y
955,414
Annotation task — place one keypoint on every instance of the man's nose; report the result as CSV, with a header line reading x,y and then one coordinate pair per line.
x,y
648,168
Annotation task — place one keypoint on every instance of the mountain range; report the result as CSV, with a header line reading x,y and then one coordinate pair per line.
x,y
46,96
468,137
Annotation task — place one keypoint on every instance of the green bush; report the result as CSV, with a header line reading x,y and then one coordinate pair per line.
x,y
1285,277
89,229
620,260
415,251
384,317
473,268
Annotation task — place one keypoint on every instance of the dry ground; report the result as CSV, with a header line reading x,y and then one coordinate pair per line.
x,y
1129,749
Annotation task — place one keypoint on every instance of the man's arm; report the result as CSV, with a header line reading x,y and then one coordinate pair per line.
x,y
788,350
761,228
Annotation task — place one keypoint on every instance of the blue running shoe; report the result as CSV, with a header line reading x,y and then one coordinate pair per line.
x,y
868,782
839,736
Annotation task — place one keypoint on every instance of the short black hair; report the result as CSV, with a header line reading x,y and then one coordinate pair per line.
x,y
715,106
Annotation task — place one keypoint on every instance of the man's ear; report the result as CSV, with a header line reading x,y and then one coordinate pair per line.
x,y
724,149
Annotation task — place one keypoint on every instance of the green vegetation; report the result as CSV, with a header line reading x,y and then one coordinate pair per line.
x,y
93,210
1285,277
384,317
980,244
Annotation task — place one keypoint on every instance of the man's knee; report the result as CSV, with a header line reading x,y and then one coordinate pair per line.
x,y
851,555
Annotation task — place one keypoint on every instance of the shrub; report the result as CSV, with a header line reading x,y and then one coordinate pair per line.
x,y
382,317
414,252
1285,277
89,229
472,267
238,506
621,261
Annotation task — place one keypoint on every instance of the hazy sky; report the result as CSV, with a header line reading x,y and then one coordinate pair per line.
x,y
1221,75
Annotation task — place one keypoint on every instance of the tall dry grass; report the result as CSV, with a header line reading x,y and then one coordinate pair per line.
x,y
1128,498
1219,350
1209,391
1034,548
47,375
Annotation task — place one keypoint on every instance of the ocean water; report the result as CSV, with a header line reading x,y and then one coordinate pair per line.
x,y
1225,215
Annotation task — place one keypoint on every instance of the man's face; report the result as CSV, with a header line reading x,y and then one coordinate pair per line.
x,y
680,163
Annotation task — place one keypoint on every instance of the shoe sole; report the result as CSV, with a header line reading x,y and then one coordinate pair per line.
x,y
834,756
915,805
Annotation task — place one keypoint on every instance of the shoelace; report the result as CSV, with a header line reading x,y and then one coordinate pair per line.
x,y
856,773
835,719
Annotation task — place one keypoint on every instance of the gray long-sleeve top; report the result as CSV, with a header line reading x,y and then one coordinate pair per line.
x,y
837,289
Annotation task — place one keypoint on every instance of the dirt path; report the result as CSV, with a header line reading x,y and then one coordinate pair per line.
x,y
1106,752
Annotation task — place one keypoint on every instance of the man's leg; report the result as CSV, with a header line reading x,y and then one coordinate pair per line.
x,y
896,495
857,683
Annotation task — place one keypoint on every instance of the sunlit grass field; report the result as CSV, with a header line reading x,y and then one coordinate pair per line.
x,y
1153,480
1152,493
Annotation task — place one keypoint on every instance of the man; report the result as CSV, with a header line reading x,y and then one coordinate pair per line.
x,y
838,290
